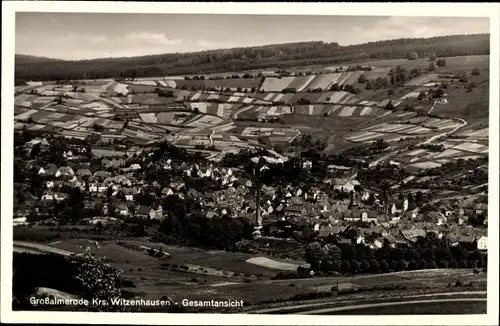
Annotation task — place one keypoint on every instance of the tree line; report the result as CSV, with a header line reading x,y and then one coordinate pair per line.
x,y
237,59
427,253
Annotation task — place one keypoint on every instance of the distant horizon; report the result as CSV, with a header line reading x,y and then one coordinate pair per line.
x,y
88,36
257,45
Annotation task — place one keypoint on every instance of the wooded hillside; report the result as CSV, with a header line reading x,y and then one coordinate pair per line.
x,y
237,59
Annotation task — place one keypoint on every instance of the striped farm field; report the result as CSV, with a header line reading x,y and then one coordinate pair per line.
x,y
25,115
450,152
269,96
285,98
301,82
425,165
478,134
387,127
148,117
201,107
243,83
367,111
302,109
472,147
417,152
347,111
366,136
275,84
205,121
325,97
145,82
383,103
224,110
422,80
323,81
377,72
415,130
336,97
165,118
331,110
347,98
410,95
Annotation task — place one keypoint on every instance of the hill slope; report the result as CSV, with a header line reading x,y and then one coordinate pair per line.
x,y
237,59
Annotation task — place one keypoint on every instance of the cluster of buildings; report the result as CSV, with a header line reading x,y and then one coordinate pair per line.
x,y
111,192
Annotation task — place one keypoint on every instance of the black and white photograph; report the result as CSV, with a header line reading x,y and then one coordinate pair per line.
x,y
327,164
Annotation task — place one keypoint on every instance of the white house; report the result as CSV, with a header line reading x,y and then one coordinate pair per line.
x,y
20,221
135,166
482,243
65,171
307,165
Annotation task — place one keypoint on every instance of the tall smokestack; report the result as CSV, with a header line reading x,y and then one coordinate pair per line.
x,y
258,217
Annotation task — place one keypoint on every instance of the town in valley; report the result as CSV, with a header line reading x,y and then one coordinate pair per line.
x,y
295,177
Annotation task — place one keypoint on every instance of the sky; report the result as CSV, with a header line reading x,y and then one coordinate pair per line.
x,y
76,36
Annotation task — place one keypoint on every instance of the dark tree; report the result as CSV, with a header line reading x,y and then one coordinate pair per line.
x,y
422,264
412,56
441,62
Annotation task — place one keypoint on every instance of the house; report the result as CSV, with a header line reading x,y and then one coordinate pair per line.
x,y
54,196
307,165
296,201
143,212
177,185
49,170
344,241
102,175
399,206
65,171
68,155
105,163
17,221
340,207
481,208
345,185
167,191
192,193
352,216
102,220
378,243
81,173
446,210
435,217
482,243
122,209
369,217
413,234
295,210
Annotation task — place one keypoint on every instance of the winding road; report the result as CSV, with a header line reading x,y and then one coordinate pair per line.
x,y
297,135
